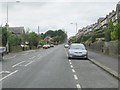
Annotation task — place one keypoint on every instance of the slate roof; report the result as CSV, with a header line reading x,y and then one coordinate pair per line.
x,y
16,30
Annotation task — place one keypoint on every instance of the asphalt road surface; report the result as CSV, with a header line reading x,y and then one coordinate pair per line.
x,y
50,68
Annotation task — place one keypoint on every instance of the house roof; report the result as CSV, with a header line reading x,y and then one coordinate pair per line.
x,y
17,30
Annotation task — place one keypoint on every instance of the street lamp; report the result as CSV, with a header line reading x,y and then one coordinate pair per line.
x,y
76,28
7,25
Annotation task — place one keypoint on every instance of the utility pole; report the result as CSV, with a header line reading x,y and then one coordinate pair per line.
x,y
38,30
76,29
7,25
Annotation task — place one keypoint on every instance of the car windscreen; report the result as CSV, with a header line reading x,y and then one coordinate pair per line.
x,y
81,47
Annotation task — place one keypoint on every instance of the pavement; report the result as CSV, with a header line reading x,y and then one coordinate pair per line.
x,y
50,68
108,63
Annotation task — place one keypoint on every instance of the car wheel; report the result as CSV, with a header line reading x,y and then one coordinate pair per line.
x,y
69,57
86,57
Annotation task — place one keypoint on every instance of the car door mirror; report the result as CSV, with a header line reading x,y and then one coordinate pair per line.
x,y
68,47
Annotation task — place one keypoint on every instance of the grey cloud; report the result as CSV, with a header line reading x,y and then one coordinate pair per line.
x,y
55,15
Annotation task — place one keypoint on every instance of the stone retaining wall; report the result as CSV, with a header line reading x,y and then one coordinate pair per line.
x,y
109,48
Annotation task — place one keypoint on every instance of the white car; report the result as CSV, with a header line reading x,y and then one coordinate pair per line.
x,y
66,45
77,50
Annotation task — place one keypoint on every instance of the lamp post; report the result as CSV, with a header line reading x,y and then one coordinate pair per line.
x,y
76,29
7,44
7,25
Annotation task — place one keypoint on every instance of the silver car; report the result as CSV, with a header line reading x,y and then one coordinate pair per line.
x,y
77,50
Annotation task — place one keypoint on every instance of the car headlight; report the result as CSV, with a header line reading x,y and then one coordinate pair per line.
x,y
84,52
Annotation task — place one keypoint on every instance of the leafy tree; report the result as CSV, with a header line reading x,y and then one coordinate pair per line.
x,y
33,39
108,31
57,35
113,35
13,39
110,25
42,42
72,39
3,36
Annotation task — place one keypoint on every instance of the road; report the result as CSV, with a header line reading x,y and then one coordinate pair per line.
x,y
50,68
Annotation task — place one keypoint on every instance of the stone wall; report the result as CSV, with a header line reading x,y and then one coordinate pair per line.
x,y
109,48
17,49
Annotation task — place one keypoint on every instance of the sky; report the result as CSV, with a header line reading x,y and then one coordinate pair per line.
x,y
54,14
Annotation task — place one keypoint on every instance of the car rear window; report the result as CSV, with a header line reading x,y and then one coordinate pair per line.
x,y
77,47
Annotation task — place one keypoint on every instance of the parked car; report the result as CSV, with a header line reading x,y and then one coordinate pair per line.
x,y
39,46
66,45
51,45
45,47
77,50
2,51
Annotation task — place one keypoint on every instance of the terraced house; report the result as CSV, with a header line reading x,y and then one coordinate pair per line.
x,y
102,22
118,9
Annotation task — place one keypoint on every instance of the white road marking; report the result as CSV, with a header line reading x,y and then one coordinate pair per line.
x,y
10,57
69,60
1,72
29,63
75,76
6,72
18,64
70,63
73,70
71,66
32,57
78,86
9,75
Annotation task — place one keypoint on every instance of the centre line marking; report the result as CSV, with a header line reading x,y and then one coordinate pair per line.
x,y
71,66
73,70
18,64
78,86
9,75
69,60
70,63
75,76
29,63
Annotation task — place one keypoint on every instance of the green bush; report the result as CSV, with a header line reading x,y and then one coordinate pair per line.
x,y
41,42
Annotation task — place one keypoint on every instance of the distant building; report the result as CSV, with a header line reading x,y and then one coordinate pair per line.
x,y
102,22
80,32
48,39
118,9
112,15
17,30
99,23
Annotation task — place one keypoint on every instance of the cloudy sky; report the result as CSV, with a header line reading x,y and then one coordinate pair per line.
x,y
55,14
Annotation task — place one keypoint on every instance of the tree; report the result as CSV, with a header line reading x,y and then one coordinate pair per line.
x,y
3,35
57,35
72,39
108,31
13,39
33,39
